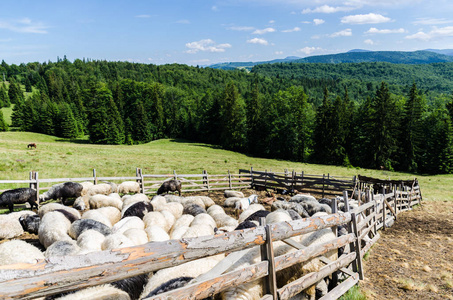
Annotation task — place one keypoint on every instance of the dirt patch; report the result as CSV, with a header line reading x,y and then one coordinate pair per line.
x,y
414,258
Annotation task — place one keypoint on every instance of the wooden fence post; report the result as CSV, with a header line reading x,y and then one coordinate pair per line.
x,y
358,261
139,173
30,177
95,179
323,176
229,180
395,196
251,178
267,254
293,178
384,212
37,186
174,175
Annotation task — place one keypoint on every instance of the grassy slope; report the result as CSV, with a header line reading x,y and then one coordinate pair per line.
x,y
57,158
7,112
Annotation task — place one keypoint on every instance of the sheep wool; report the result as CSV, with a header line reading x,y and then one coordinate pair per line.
x,y
97,216
54,227
10,227
19,251
127,187
111,213
155,218
137,236
90,240
175,208
184,220
156,234
127,223
98,201
62,248
54,206
100,292
116,240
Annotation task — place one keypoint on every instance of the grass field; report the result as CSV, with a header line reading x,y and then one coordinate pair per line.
x,y
60,158
7,112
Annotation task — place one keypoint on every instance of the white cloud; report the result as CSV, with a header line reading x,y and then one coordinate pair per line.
x,y
369,42
278,52
385,31
271,21
435,33
207,45
365,19
318,21
346,32
241,28
24,26
201,61
258,41
292,30
214,8
183,22
263,31
143,17
431,21
326,9
310,50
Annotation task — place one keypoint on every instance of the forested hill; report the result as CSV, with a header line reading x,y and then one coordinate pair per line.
x,y
354,56
372,115
433,78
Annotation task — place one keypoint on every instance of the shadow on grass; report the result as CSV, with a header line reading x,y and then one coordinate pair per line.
x,y
75,141
198,144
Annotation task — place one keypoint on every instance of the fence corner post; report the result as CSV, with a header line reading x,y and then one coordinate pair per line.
x,y
95,179
267,254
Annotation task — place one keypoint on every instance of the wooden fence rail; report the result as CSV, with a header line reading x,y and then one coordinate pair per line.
x,y
376,211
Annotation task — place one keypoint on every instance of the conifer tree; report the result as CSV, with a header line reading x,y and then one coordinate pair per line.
x,y
4,99
15,93
255,121
232,118
411,131
3,124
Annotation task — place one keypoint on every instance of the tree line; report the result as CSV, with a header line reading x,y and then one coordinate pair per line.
x,y
319,120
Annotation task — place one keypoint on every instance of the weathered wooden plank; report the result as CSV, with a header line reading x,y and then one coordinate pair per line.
x,y
308,280
210,287
58,274
306,253
285,230
363,207
364,222
267,297
342,288
370,244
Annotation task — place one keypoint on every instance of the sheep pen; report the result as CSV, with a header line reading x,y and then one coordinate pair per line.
x,y
219,199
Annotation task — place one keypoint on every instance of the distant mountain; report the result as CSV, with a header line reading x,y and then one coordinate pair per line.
x,y
249,65
395,57
448,52
354,56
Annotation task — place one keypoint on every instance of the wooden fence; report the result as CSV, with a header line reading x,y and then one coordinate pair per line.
x,y
322,185
376,211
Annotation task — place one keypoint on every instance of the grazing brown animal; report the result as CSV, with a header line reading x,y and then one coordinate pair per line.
x,y
31,145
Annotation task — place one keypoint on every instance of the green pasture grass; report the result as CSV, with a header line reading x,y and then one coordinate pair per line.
x,y
7,112
353,294
62,158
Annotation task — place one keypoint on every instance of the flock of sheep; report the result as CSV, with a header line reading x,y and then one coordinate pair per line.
x,y
101,219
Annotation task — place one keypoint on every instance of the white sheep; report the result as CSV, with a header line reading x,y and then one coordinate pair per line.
x,y
178,232
215,209
86,186
190,269
99,200
97,216
170,218
193,200
184,220
100,292
203,219
127,187
198,230
116,240
155,218
90,241
101,188
54,227
250,210
54,206
10,227
62,248
81,203
19,251
127,223
129,200
175,208
137,236
231,201
244,203
231,193
156,233
159,202
223,220
111,213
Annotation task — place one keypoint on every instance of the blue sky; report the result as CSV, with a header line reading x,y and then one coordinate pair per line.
x,y
203,32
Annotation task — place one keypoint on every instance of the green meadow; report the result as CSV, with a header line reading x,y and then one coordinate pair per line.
x,y
61,158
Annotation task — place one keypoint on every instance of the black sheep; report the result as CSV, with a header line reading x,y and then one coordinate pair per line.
x,y
30,223
18,196
139,209
63,191
170,186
